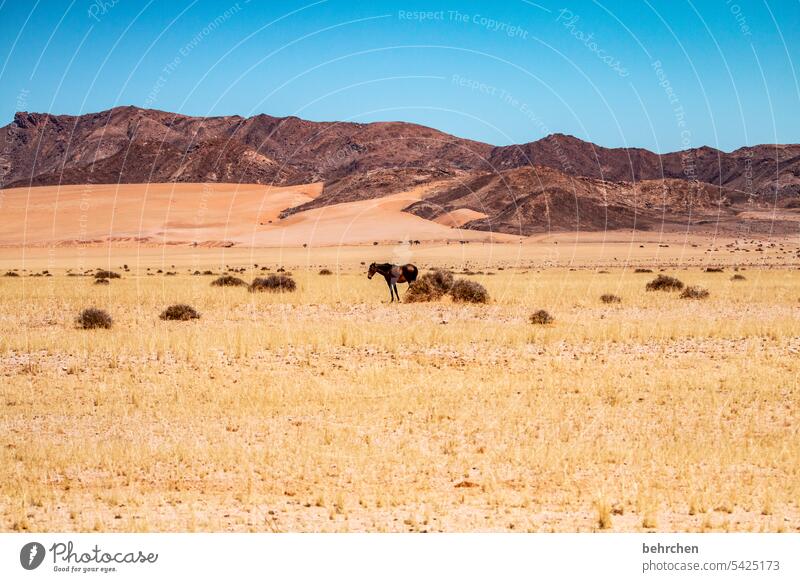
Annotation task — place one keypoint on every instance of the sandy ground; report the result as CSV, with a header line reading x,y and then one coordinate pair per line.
x,y
212,215
327,409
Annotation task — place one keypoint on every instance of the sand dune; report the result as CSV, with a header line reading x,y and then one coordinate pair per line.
x,y
459,217
209,215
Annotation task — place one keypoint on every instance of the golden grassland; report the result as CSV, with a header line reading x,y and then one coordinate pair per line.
x,y
328,409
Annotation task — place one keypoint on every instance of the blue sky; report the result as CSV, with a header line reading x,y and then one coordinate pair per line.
x,y
654,74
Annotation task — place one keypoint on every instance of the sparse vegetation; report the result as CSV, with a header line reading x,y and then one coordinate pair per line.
x,y
466,291
93,318
610,298
665,283
11,274
179,312
714,270
738,277
325,272
274,284
541,317
422,290
101,281
327,404
102,274
228,281
642,270
694,292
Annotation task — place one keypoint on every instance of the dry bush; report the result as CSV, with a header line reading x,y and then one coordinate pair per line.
x,y
665,283
273,283
228,281
738,277
465,291
325,272
541,317
610,298
643,270
102,274
442,279
422,290
93,318
11,274
714,269
179,312
694,292
101,281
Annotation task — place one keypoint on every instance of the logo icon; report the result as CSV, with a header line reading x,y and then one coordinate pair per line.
x,y
31,555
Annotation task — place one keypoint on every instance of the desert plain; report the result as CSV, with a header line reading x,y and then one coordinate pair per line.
x,y
330,409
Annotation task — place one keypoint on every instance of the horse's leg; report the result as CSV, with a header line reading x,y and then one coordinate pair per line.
x,y
393,288
395,292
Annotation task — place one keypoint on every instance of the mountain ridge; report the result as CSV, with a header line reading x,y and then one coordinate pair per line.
x,y
358,161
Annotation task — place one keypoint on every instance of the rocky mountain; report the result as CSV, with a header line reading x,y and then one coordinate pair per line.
x,y
558,182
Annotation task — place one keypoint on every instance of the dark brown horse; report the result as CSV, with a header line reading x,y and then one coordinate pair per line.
x,y
394,274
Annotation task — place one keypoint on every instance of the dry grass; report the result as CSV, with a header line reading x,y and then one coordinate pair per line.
x,y
273,283
610,298
694,292
228,281
179,312
541,317
328,410
664,283
466,291
93,318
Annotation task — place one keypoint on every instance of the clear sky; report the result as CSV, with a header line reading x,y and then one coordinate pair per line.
x,y
657,74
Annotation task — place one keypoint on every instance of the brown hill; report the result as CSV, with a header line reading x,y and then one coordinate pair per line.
x,y
540,199
558,182
42,149
761,172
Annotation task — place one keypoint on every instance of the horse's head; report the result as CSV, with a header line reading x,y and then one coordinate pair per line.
x,y
373,268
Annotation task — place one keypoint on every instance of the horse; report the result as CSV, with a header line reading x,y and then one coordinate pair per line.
x,y
394,274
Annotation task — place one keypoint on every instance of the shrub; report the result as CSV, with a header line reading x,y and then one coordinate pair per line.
x,y
93,318
422,290
664,283
694,292
179,312
101,274
610,298
325,272
11,274
441,279
273,283
228,281
465,291
643,270
714,269
738,277
541,317
101,281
